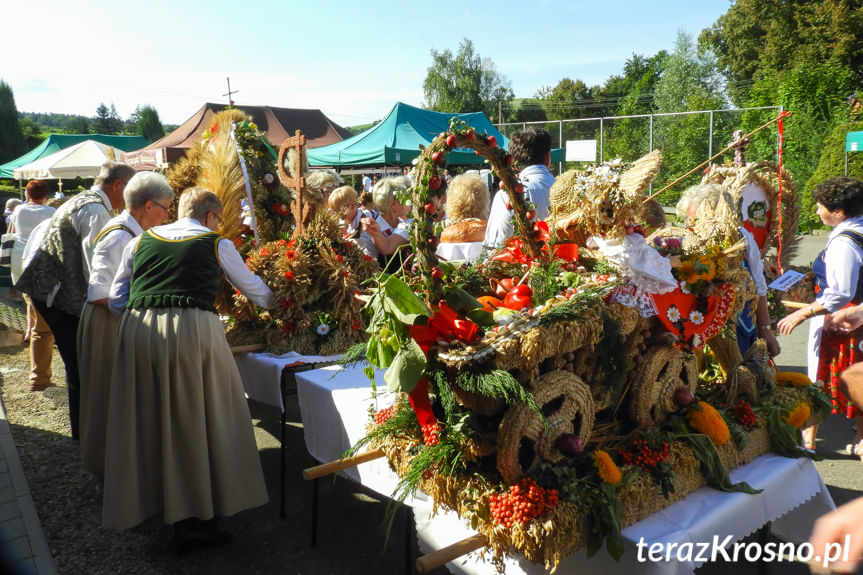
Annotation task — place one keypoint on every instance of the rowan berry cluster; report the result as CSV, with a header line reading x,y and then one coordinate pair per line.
x,y
383,415
744,415
524,501
431,434
646,456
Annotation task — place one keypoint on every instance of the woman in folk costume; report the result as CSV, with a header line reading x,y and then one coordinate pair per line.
x,y
148,197
180,438
838,283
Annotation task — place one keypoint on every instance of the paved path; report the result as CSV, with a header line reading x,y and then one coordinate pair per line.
x,y
23,547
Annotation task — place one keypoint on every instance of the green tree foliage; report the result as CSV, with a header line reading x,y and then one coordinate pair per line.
x,y
31,132
107,121
804,56
465,83
524,110
11,139
832,163
689,82
148,124
568,99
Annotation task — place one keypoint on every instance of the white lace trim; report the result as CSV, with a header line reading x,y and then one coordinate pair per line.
x,y
643,266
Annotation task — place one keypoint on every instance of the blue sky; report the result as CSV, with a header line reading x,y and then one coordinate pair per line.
x,y
353,60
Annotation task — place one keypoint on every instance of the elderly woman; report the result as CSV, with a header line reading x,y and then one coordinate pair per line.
x,y
384,236
747,332
148,197
466,210
179,436
838,283
323,182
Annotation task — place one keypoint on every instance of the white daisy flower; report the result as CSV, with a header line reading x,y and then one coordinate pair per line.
x,y
696,317
696,341
322,329
673,314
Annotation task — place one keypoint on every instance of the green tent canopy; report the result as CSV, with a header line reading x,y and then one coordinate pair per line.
x,y
396,140
56,142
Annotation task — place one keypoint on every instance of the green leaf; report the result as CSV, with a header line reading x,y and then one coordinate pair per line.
x,y
401,301
459,300
711,464
406,369
481,317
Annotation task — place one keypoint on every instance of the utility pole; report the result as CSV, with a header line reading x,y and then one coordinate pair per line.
x,y
230,94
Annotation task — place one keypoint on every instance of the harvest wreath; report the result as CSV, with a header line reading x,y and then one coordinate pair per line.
x,y
541,412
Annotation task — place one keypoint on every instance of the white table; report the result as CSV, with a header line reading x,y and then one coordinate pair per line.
x,y
334,405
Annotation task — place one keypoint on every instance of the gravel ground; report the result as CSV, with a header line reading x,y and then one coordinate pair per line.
x,y
69,502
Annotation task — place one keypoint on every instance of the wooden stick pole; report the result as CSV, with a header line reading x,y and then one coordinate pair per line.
x,y
437,558
338,464
784,114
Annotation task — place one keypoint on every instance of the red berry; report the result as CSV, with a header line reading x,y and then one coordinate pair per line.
x,y
429,208
438,158
508,206
519,189
492,141
436,273
433,242
470,134
530,214
451,140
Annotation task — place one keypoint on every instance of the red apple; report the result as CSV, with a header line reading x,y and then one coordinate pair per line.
x,y
492,141
438,158
519,189
451,140
434,182
429,208
683,397
530,214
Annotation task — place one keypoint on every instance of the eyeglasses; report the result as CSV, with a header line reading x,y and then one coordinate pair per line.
x,y
218,217
161,206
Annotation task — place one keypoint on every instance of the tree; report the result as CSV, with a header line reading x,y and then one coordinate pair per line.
x,y
568,99
107,121
148,124
689,82
465,83
11,139
78,125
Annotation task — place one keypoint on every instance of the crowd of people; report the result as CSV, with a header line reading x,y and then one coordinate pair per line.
x,y
155,398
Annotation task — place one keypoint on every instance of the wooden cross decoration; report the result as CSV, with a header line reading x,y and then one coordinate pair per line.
x,y
297,181
230,93
739,144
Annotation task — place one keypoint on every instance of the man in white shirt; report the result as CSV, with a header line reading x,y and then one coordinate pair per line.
x,y
56,278
532,152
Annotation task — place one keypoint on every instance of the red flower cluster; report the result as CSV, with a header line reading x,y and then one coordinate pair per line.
x,y
744,415
290,254
264,252
289,275
642,454
524,501
431,434
383,415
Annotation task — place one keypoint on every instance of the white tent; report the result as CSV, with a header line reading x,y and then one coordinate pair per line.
x,y
82,160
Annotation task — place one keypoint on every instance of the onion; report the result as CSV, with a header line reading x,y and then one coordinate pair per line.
x,y
683,397
569,445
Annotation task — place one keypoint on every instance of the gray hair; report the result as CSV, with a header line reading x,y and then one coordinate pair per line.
x,y
318,179
12,203
145,187
197,202
113,171
385,190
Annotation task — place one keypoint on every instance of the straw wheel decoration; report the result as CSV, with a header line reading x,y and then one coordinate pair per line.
x,y
661,373
523,441
429,178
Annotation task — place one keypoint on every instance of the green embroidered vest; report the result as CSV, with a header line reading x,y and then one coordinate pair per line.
x,y
175,273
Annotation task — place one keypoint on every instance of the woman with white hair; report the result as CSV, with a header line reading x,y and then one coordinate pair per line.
x,y
148,197
323,182
180,441
383,237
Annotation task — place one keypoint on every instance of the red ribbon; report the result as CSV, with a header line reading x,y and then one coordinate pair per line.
x,y
421,404
512,252
781,128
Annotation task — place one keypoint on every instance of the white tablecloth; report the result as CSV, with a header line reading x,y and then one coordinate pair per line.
x,y
467,251
334,405
262,373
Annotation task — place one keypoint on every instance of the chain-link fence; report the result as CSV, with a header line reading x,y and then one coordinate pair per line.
x,y
686,139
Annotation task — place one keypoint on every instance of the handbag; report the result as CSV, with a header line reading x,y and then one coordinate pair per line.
x,y
7,242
